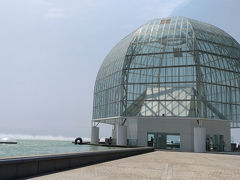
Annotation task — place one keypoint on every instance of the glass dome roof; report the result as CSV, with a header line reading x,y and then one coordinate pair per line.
x,y
171,67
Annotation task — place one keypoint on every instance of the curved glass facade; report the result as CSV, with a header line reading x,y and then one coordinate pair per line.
x,y
171,67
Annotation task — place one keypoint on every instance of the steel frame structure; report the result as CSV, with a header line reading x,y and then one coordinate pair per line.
x,y
170,53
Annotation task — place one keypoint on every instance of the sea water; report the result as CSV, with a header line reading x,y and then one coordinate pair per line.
x,y
40,147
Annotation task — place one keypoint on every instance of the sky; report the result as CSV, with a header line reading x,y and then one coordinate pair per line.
x,y
51,51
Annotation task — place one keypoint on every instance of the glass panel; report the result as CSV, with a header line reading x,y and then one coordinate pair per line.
x,y
161,140
171,67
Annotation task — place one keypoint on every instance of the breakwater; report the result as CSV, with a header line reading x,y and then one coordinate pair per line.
x,y
19,167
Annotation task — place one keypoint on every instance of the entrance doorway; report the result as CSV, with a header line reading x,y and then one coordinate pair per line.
x,y
162,140
215,143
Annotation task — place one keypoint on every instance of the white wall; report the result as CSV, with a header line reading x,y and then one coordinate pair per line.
x,y
199,139
167,125
95,135
121,135
132,129
221,128
235,135
140,127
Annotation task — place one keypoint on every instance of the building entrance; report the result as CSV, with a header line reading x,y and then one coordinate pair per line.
x,y
215,143
162,140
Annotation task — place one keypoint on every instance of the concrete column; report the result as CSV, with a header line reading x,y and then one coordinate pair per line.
x,y
114,131
199,139
95,135
121,135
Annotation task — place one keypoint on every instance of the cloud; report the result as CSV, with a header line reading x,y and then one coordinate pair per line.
x,y
55,13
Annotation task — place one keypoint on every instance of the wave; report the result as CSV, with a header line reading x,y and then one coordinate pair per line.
x,y
39,137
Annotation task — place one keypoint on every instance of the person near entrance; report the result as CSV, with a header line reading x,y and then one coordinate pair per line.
x,y
151,141
223,145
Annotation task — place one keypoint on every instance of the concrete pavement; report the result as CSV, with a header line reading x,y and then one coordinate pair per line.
x,y
159,165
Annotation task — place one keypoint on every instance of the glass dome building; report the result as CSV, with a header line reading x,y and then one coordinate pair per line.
x,y
170,76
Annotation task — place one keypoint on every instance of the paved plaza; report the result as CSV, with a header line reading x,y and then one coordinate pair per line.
x,y
164,165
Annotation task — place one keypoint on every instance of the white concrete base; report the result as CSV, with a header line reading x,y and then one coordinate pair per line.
x,y
121,135
95,135
199,139
138,127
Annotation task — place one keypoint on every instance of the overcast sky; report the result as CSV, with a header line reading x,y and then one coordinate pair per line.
x,y
51,50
